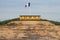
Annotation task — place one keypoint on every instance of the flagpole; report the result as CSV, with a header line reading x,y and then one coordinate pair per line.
x,y
28,7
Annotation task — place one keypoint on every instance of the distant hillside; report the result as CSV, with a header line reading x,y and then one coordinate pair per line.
x,y
17,19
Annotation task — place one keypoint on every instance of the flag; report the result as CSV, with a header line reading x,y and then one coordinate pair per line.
x,y
27,5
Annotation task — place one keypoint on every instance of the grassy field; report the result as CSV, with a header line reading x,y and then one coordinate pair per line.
x,y
17,19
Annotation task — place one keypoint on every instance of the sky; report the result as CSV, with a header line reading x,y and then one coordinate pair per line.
x,y
47,9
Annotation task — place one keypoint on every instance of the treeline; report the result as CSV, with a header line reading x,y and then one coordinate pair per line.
x,y
17,19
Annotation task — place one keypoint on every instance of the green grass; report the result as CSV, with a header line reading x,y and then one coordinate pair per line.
x,y
17,19
54,22
7,21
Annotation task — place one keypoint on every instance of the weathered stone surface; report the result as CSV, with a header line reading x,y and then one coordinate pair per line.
x,y
30,30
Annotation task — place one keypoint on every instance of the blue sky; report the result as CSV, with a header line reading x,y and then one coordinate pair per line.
x,y
47,9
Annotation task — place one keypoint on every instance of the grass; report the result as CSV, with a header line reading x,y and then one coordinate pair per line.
x,y
17,19
7,21
54,22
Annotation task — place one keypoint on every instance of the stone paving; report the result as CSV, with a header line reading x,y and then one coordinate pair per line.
x,y
37,31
